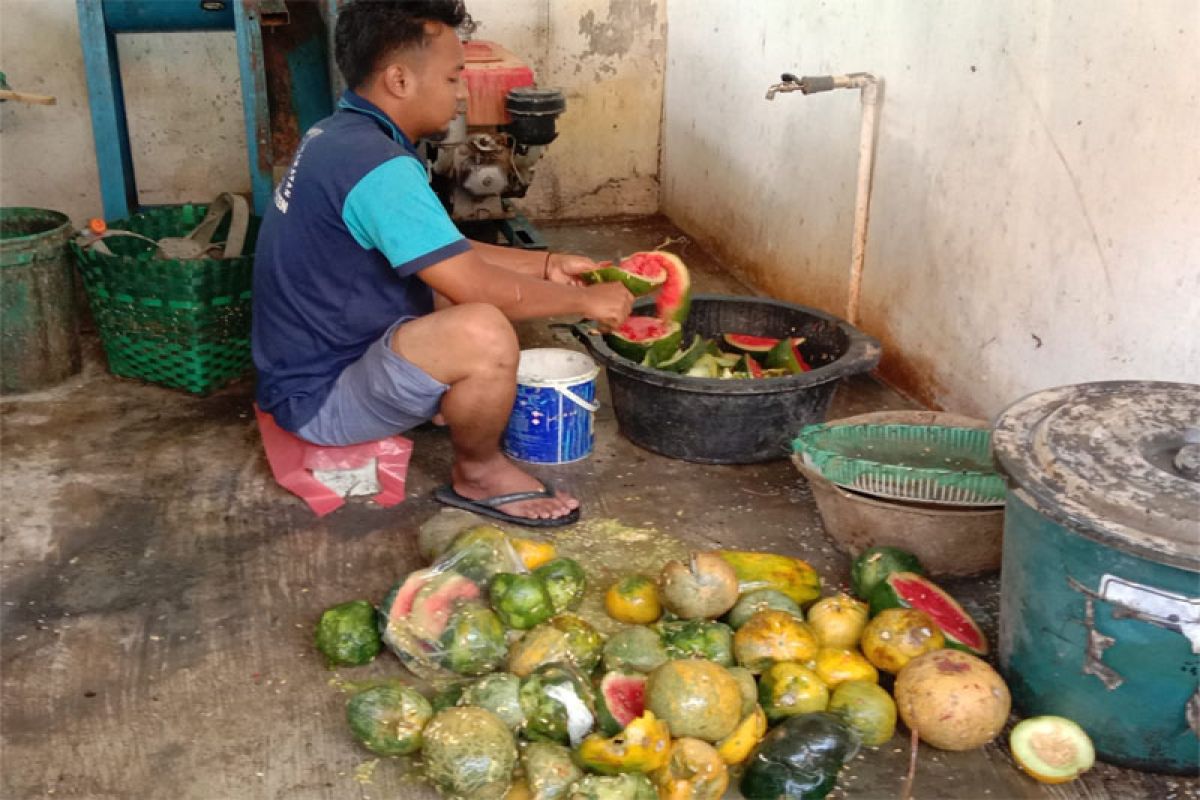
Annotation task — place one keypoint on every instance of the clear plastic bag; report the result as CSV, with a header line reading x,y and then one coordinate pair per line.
x,y
438,620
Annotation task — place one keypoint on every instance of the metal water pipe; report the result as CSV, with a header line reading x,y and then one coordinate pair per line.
x,y
869,86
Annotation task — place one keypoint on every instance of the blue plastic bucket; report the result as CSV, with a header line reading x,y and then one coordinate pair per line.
x,y
551,421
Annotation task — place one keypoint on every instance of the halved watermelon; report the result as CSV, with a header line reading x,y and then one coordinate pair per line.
x,y
786,355
621,699
910,590
746,343
639,275
642,337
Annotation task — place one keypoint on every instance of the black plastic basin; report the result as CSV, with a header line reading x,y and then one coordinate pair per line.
x,y
733,421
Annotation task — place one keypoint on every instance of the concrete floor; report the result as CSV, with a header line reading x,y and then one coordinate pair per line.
x,y
159,589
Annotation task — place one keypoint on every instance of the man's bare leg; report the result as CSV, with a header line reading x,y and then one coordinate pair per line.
x,y
473,349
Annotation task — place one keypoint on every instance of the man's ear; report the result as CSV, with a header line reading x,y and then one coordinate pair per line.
x,y
399,80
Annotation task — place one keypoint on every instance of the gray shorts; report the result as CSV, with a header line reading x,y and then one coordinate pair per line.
x,y
380,395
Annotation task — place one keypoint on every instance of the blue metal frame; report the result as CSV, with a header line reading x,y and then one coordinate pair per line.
x,y
100,21
255,110
106,97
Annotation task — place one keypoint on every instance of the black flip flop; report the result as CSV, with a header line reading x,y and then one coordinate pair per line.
x,y
488,506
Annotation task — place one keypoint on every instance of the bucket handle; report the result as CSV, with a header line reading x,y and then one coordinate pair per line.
x,y
577,400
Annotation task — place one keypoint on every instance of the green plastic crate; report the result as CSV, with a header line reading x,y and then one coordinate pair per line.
x,y
184,324
918,463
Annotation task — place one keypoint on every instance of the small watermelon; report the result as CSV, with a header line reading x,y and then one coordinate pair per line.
x,y
639,275
910,590
640,338
786,355
620,699
876,563
750,345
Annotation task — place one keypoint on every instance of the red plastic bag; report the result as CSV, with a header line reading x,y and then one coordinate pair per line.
x,y
293,461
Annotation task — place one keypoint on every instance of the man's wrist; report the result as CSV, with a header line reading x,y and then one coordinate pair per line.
x,y
546,266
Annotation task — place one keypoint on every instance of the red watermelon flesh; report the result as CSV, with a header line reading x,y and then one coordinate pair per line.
x,y
637,329
756,370
623,696
432,606
674,299
402,603
916,592
646,267
746,343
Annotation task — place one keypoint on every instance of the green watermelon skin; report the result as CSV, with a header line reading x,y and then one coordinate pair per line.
x,y
620,699
874,564
910,590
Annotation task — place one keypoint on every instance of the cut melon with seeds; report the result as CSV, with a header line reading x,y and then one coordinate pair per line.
x,y
641,338
639,275
1051,749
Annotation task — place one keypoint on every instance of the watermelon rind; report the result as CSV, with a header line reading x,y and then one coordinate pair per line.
x,y
636,283
685,359
656,349
786,355
887,595
674,300
874,564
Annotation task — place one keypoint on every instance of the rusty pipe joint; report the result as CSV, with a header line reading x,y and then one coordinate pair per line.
x,y
813,84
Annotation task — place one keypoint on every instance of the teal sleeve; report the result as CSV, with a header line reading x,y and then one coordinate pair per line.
x,y
393,209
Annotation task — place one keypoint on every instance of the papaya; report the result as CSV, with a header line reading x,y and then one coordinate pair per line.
x,y
626,786
498,693
549,770
695,698
838,620
835,665
643,746
694,771
787,689
773,636
636,648
867,708
751,603
736,747
633,599
898,635
790,576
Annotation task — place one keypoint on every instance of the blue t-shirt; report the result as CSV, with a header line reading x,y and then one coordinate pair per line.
x,y
337,258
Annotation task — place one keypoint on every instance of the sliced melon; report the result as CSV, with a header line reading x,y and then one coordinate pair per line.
x,y
685,359
1051,749
639,275
642,337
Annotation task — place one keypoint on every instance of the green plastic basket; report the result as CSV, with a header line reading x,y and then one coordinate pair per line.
x,y
178,323
919,463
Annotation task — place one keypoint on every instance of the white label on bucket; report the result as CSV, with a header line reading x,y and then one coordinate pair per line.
x,y
1155,605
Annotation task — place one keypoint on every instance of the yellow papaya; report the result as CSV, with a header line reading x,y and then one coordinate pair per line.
x,y
790,576
643,746
735,748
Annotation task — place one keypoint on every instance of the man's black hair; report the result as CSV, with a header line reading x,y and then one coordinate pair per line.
x,y
368,30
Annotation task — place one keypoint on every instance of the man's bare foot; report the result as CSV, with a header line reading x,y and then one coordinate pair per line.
x,y
501,476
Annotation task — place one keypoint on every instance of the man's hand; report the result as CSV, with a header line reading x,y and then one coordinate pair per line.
x,y
608,304
566,268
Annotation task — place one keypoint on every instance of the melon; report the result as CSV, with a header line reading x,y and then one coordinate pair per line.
x,y
747,366
620,699
473,642
749,344
1051,749
397,605
639,275
558,704
565,580
910,590
626,786
867,708
497,693
469,753
786,355
348,634
434,602
751,603
698,638
521,600
953,700
388,719
694,770
639,338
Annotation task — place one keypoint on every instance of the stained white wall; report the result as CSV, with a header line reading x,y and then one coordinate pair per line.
x,y
1036,209
184,102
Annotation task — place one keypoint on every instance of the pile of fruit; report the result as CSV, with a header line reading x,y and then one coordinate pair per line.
x,y
727,667
657,341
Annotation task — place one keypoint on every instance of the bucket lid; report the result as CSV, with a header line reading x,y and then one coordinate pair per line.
x,y
1117,461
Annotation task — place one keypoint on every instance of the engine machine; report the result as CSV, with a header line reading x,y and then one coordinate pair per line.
x,y
490,151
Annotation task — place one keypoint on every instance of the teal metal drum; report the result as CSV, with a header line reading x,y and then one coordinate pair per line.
x,y
1100,584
